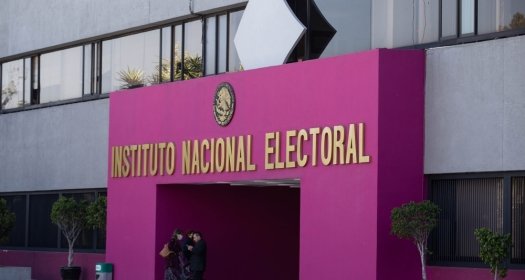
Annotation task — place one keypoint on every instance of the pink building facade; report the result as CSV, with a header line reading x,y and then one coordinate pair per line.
x,y
298,185
316,156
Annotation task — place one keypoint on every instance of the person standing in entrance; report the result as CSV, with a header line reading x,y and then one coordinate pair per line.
x,y
173,265
198,256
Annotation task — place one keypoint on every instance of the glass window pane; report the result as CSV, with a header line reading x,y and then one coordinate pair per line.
x,y
61,75
177,55
17,205
42,232
210,45
87,69
449,18
487,22
12,84
512,14
101,233
192,49
222,51
234,63
428,22
467,17
165,73
27,81
466,204
518,220
494,16
33,96
130,61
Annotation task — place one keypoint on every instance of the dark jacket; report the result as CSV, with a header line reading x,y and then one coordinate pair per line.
x,y
187,253
172,260
198,256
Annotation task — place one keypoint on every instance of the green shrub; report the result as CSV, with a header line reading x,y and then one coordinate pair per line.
x,y
494,250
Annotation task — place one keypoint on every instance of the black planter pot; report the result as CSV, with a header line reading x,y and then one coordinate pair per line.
x,y
70,273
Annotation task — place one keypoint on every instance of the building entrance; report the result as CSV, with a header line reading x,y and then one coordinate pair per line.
x,y
251,228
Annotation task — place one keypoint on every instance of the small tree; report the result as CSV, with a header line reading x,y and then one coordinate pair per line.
x,y
7,221
96,213
70,217
493,250
415,221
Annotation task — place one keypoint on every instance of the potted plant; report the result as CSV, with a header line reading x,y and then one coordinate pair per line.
x,y
72,217
7,221
162,73
131,78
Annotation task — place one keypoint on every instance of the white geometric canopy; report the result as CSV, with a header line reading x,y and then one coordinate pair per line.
x,y
267,33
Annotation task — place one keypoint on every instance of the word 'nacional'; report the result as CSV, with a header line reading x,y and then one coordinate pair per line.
x,y
335,145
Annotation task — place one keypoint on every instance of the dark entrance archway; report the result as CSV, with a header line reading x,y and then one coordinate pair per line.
x,y
251,228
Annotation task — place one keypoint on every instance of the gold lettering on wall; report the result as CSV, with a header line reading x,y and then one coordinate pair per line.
x,y
314,132
336,145
162,146
290,148
125,162
351,153
362,157
326,146
195,165
170,158
131,161
302,159
139,157
268,150
241,157
205,165
185,157
338,156
249,165
230,154
220,157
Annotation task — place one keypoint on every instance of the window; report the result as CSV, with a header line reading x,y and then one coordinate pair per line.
x,y
477,17
192,50
518,217
221,55
234,63
88,72
49,77
175,52
61,75
13,84
222,47
130,61
42,232
449,14
17,204
319,31
495,202
467,17
164,71
495,16
34,229
211,32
